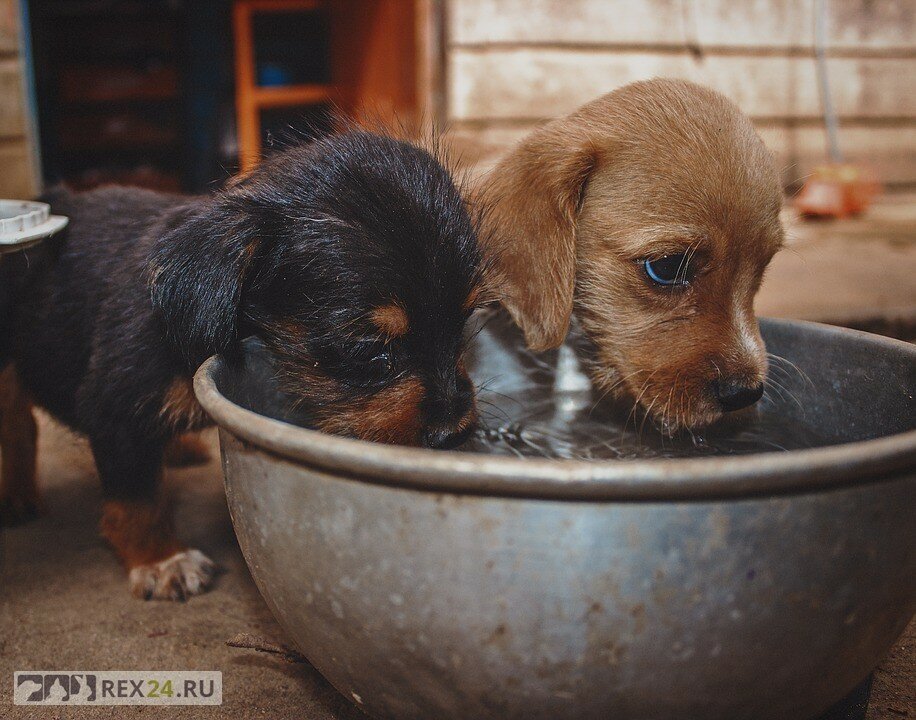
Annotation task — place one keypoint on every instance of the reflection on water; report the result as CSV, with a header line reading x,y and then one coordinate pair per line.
x,y
544,406
841,388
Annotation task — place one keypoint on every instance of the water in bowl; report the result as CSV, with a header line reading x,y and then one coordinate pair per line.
x,y
543,405
824,389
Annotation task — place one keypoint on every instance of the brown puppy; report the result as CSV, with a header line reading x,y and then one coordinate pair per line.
x,y
653,212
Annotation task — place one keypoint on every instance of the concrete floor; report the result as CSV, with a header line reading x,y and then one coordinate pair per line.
x,y
851,270
64,601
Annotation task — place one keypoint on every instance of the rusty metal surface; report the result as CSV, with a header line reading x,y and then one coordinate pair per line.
x,y
457,585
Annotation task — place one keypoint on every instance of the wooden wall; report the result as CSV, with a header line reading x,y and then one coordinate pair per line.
x,y
511,64
17,175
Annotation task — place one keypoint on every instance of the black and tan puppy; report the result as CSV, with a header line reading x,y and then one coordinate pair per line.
x,y
353,258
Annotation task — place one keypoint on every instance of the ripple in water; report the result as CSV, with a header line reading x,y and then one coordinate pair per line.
x,y
544,406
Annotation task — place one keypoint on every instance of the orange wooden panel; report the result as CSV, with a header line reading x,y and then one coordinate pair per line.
x,y
288,95
281,5
247,120
385,64
374,58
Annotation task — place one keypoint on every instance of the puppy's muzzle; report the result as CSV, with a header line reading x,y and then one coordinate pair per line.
x,y
735,394
443,438
451,416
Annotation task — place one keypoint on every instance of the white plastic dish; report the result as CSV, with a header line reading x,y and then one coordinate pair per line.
x,y
24,223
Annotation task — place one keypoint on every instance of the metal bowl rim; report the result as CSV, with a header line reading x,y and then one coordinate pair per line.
x,y
707,478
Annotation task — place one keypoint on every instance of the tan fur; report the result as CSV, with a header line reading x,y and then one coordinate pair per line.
x,y
390,416
159,566
140,532
654,168
391,320
186,451
19,496
533,197
475,299
180,407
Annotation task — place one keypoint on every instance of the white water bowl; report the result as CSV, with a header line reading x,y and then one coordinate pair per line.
x,y
24,223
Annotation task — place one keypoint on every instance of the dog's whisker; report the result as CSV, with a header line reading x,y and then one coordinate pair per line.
x,y
647,415
788,392
779,359
782,393
611,388
768,385
667,409
636,403
504,396
496,411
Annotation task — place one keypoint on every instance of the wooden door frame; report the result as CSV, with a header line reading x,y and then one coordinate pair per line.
x,y
431,68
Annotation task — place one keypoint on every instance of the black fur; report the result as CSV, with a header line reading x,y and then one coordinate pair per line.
x,y
142,287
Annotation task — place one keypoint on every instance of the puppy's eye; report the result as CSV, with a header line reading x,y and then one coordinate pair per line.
x,y
373,360
668,270
380,365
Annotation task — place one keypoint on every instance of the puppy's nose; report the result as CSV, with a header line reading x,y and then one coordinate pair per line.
x,y
444,438
734,394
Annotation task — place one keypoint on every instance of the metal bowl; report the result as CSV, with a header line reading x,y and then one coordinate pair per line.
x,y
450,585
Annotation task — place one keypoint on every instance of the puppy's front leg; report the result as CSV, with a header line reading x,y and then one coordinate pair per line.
x,y
186,451
19,498
139,526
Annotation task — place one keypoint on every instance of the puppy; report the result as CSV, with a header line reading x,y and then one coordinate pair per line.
x,y
652,213
353,258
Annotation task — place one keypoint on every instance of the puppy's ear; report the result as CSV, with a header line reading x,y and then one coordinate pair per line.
x,y
530,203
196,274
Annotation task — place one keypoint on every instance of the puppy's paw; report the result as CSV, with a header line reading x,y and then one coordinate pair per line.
x,y
186,451
16,509
178,577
